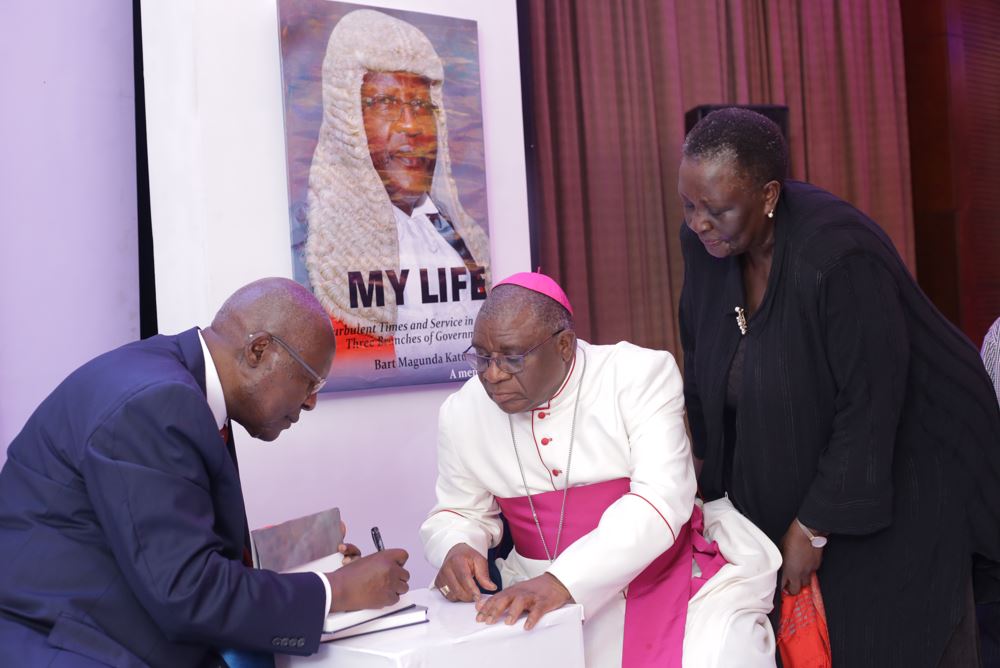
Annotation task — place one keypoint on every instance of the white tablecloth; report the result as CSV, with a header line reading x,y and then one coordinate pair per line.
x,y
453,639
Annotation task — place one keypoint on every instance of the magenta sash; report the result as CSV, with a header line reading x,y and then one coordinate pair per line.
x,y
656,601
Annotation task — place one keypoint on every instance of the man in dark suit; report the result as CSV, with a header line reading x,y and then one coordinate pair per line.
x,y
122,524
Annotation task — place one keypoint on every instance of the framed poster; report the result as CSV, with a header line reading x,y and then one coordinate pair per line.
x,y
219,205
232,138
387,193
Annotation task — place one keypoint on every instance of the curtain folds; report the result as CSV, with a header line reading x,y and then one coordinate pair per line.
x,y
611,81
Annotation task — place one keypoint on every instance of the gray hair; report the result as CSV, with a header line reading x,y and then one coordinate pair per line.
x,y
751,140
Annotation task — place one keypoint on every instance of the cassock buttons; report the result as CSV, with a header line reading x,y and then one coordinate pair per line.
x,y
545,441
556,471
541,415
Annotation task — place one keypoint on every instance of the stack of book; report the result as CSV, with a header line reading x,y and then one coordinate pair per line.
x,y
359,622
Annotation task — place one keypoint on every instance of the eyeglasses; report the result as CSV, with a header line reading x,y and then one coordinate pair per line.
x,y
391,107
318,381
512,364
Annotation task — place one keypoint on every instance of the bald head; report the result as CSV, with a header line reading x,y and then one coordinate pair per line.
x,y
273,305
271,342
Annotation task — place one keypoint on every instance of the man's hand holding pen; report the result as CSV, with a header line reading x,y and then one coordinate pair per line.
x,y
374,581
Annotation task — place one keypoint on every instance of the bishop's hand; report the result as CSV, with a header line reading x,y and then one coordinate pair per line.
x,y
536,597
463,567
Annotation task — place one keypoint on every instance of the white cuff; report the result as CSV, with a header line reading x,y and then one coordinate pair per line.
x,y
329,593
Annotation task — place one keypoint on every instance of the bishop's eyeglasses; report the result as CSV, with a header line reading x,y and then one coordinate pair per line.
x,y
512,364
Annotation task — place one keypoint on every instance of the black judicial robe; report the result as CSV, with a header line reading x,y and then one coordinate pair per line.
x,y
863,412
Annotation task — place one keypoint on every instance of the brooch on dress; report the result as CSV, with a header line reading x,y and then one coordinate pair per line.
x,y
741,320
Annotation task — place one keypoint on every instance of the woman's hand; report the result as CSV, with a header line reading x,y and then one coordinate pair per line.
x,y
799,559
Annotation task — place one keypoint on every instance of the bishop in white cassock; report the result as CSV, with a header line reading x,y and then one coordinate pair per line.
x,y
549,424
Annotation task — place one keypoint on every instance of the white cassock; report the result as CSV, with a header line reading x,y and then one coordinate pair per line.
x,y
630,424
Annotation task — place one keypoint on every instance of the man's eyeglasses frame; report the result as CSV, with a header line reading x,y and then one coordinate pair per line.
x,y
318,381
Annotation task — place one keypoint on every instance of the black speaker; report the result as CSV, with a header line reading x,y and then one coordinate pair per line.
x,y
776,112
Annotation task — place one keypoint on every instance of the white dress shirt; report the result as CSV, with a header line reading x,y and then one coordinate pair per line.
x,y
217,403
991,354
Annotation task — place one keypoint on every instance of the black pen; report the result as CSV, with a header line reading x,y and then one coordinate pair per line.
x,y
377,538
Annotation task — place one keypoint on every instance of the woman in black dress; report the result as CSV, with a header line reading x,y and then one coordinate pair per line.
x,y
834,404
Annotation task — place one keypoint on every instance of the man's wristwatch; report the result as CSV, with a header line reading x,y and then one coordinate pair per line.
x,y
814,540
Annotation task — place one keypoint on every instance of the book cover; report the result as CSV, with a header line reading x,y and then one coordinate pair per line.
x,y
337,621
408,616
284,547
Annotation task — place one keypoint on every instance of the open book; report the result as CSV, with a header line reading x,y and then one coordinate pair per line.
x,y
310,544
358,622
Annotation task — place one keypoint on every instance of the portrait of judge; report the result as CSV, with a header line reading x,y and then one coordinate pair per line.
x,y
389,246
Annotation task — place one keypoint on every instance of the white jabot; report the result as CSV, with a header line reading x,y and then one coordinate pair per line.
x,y
217,403
419,240
421,246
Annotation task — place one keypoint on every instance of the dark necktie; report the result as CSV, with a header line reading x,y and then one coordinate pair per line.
x,y
224,433
236,658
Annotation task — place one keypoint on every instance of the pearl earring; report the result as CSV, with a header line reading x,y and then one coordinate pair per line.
x,y
770,214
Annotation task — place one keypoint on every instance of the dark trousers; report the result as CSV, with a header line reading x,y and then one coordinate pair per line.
x,y
962,650
988,615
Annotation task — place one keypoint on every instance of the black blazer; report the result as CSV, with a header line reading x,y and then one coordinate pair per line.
x,y
122,524
862,411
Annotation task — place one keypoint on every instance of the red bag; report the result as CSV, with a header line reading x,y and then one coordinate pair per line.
x,y
803,639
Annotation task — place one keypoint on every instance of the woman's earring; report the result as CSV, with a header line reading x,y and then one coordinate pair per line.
x,y
770,214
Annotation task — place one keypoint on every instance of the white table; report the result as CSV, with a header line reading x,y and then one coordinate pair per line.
x,y
453,638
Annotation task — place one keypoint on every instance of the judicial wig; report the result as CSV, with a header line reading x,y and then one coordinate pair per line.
x,y
351,222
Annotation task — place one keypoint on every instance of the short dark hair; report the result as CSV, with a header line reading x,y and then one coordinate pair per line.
x,y
507,302
752,140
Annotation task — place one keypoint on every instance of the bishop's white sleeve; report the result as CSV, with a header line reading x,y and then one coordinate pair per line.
x,y
642,524
465,512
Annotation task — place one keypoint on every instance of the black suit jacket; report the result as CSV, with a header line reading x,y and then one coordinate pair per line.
x,y
122,524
